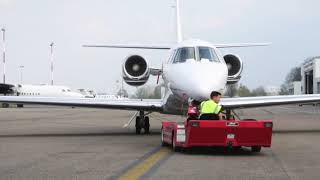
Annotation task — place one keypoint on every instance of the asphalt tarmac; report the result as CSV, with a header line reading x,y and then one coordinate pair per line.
x,y
65,143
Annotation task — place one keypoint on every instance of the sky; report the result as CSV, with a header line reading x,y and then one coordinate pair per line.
x,y
291,26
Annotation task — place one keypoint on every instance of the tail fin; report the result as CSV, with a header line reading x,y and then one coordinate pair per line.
x,y
178,25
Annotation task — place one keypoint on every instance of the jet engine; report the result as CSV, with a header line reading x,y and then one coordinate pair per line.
x,y
235,66
136,70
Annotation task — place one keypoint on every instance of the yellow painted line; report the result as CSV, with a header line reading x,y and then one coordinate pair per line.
x,y
141,168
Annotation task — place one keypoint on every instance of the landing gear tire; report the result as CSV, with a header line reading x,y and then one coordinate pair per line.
x,y
255,148
146,125
142,121
138,125
5,105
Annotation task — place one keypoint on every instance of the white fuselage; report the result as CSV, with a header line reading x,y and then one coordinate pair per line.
x,y
195,78
46,91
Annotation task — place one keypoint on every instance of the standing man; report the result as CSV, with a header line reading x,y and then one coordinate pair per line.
x,y
210,110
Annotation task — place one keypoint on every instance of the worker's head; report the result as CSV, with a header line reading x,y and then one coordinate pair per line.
x,y
215,96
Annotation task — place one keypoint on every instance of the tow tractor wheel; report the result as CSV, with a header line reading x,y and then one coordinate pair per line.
x,y
174,147
162,139
255,148
146,125
138,125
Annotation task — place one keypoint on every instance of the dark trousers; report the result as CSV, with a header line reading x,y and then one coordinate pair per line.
x,y
209,117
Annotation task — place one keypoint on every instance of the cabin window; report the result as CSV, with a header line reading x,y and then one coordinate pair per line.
x,y
183,54
208,54
171,58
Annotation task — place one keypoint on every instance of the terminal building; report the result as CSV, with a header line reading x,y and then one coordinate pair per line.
x,y
295,88
310,76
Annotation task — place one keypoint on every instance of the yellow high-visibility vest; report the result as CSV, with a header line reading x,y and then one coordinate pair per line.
x,y
210,107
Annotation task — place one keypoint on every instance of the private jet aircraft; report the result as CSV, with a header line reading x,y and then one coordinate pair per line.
x,y
192,70
41,90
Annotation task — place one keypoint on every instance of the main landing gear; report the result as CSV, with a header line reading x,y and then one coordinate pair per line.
x,y
142,122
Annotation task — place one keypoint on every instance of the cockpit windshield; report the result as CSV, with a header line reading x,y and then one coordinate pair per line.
x,y
183,54
206,53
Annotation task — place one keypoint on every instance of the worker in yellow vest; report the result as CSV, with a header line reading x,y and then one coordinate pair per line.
x,y
210,110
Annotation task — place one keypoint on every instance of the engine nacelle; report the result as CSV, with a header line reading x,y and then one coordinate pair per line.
x,y
235,66
135,70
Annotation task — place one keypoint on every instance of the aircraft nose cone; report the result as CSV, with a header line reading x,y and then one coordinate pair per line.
x,y
213,77
196,80
206,87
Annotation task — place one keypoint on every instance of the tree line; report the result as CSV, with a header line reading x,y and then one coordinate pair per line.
x,y
234,90
147,92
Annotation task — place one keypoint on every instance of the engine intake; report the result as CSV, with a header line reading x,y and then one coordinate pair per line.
x,y
135,70
235,66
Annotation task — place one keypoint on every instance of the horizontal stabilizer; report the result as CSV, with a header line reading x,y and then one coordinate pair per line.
x,y
240,45
132,46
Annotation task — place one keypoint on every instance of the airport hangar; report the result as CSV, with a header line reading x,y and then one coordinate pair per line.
x,y
310,76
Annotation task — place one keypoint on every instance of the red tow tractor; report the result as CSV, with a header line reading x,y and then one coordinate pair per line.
x,y
216,133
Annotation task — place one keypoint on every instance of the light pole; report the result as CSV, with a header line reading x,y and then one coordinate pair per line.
x,y
4,54
21,73
51,45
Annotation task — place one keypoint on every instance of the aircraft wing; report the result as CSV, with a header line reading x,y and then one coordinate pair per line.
x,y
126,104
251,102
157,104
135,46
